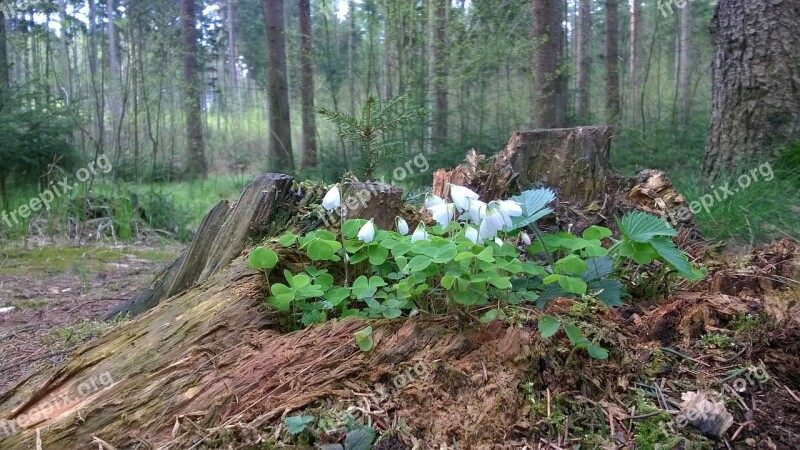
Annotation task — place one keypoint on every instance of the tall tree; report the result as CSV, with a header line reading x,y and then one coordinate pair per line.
x,y
440,85
756,100
584,58
549,92
5,81
307,86
280,129
192,103
684,61
613,106
634,69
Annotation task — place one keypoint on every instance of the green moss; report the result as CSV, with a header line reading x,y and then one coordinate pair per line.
x,y
53,260
75,334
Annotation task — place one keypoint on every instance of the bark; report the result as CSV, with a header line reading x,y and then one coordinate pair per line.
x,y
635,57
685,62
440,71
756,93
379,201
613,106
584,58
280,130
307,87
351,55
549,93
113,70
192,103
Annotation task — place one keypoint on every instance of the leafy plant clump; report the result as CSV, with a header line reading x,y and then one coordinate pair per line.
x,y
477,259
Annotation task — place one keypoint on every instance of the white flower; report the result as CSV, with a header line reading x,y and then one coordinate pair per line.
x,y
402,225
476,211
420,234
525,238
367,232
432,200
511,207
461,196
443,213
495,220
332,199
498,241
472,235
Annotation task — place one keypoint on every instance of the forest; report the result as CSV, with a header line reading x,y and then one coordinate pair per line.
x,y
391,224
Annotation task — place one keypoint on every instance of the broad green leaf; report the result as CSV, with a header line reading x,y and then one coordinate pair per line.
x,y
262,258
672,255
418,263
376,281
639,226
493,314
445,256
550,279
364,339
300,281
377,255
486,255
320,250
336,295
288,239
596,233
448,281
573,333
359,258
597,352
313,316
500,282
571,265
359,439
297,424
464,255
548,326
573,285
610,292
350,227
597,267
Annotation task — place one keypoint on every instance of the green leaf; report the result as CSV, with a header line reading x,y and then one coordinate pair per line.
x,y
610,292
282,297
297,424
573,285
463,255
533,204
445,256
550,279
486,255
548,326
448,281
493,314
262,258
596,233
300,281
672,255
597,352
320,250
571,265
418,264
337,295
500,282
288,239
350,227
597,267
359,439
377,255
364,339
573,333
313,316
639,226
376,282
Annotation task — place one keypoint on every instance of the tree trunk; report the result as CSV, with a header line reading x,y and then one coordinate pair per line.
x,y
613,105
584,58
307,87
635,58
114,75
549,93
756,94
192,103
351,55
280,130
5,79
440,71
685,63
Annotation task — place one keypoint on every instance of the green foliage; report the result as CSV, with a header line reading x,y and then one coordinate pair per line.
x,y
393,274
370,131
297,424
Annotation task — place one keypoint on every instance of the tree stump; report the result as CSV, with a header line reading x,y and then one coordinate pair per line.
x,y
576,164
379,201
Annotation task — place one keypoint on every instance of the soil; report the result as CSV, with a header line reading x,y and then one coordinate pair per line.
x,y
60,295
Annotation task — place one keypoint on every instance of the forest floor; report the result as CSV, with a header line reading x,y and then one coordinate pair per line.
x,y
60,296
